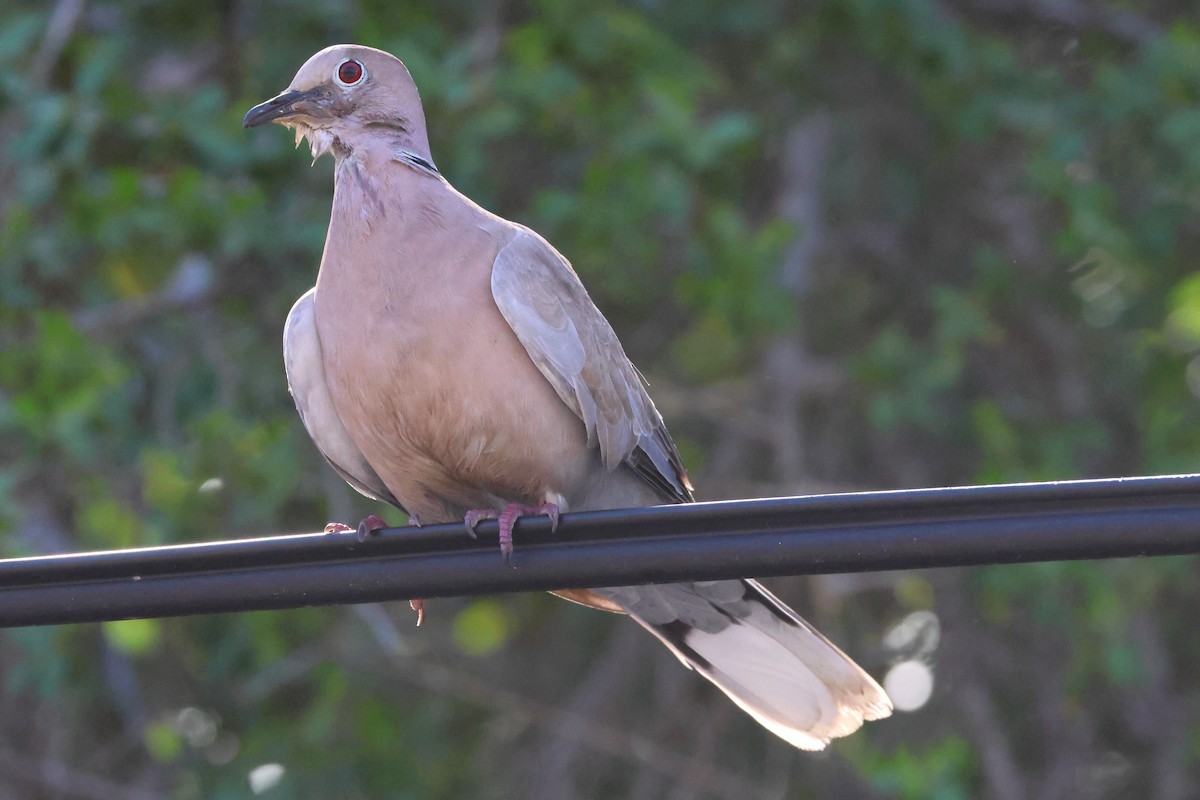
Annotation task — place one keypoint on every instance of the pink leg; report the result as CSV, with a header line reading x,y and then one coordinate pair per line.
x,y
507,519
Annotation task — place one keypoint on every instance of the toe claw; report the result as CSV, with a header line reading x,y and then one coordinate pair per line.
x,y
338,527
418,605
551,511
476,516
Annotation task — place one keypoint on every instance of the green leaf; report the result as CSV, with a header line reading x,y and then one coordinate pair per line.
x,y
134,637
481,627
162,741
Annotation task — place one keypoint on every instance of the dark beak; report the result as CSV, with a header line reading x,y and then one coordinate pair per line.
x,y
283,105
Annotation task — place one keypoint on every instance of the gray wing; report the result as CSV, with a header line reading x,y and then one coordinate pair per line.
x,y
575,348
306,380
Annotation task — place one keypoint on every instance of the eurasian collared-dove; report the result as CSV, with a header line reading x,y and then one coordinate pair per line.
x,y
449,362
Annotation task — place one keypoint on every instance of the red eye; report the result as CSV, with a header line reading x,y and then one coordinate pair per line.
x,y
350,72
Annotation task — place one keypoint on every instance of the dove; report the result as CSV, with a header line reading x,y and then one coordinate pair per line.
x,y
450,363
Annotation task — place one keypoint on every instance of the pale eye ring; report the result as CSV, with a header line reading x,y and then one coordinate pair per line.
x,y
350,73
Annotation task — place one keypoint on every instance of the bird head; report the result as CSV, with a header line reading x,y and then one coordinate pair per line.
x,y
346,95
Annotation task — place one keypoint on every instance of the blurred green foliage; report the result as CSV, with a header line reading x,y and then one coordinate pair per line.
x,y
853,243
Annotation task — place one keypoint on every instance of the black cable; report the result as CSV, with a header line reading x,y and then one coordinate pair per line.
x,y
703,541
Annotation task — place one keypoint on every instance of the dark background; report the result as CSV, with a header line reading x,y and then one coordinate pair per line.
x,y
853,244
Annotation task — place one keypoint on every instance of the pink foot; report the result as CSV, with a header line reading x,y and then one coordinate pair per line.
x,y
370,524
507,519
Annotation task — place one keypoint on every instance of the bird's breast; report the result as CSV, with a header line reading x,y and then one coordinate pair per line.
x,y
434,387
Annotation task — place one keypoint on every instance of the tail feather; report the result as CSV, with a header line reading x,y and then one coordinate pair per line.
x,y
770,662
